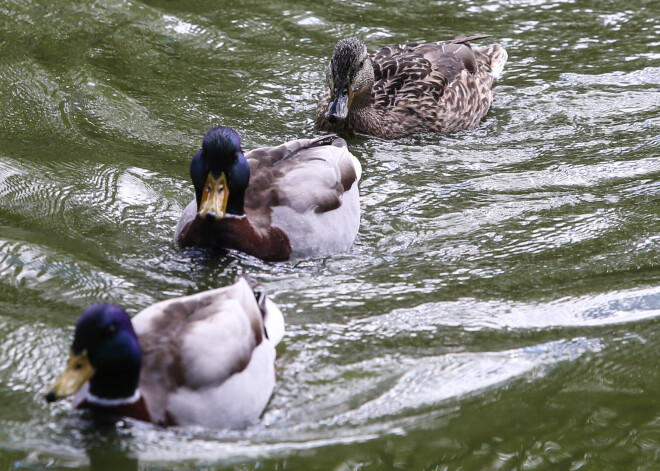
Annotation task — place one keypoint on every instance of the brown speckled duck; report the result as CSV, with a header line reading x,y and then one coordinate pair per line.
x,y
439,87
297,200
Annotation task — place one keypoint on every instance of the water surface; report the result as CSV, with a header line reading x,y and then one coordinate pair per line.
x,y
499,309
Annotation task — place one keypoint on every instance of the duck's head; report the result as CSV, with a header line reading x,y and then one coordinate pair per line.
x,y
350,77
220,173
105,352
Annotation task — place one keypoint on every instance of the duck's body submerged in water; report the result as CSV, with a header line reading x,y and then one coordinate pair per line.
x,y
439,87
296,200
206,359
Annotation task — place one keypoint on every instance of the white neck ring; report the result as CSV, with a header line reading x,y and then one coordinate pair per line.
x,y
101,401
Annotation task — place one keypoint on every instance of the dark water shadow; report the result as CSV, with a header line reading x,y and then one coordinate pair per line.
x,y
108,445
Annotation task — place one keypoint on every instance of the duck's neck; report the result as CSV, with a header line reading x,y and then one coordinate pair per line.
x,y
136,408
116,384
235,204
105,402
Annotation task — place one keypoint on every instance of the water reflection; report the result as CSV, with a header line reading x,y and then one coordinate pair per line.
x,y
107,448
499,308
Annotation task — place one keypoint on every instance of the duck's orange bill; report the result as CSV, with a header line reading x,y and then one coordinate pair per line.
x,y
78,371
214,198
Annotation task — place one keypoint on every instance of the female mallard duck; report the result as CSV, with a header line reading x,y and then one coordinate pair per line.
x,y
297,200
205,359
407,89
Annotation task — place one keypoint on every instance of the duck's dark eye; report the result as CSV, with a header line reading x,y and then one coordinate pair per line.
x,y
209,188
111,330
78,366
361,64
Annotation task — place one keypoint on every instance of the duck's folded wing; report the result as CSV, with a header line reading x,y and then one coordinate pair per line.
x,y
310,194
269,157
407,77
193,345
309,175
412,72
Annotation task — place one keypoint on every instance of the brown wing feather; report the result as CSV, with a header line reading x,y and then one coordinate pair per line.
x,y
421,68
270,167
409,75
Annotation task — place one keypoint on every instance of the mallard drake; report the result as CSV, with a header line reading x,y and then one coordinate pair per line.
x,y
296,200
407,89
205,359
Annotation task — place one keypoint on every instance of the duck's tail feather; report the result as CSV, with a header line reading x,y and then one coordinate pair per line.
x,y
498,57
274,322
273,318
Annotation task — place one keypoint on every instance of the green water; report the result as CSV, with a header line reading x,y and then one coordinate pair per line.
x,y
499,310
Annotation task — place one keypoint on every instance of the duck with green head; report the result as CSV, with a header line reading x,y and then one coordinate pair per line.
x,y
206,359
296,200
396,91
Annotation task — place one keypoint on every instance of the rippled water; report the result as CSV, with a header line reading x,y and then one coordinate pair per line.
x,y
499,309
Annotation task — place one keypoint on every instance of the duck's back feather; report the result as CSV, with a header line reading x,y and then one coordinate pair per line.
x,y
206,358
422,72
303,174
310,191
400,76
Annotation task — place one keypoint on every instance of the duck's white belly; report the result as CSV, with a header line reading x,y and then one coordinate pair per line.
x,y
237,403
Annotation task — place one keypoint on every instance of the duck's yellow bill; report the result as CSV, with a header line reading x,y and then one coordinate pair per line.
x,y
214,198
78,371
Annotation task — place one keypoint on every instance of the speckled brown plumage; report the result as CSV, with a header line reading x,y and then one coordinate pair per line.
x,y
439,87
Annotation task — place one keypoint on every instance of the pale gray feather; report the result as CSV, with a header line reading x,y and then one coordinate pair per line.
x,y
203,354
322,178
